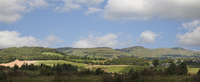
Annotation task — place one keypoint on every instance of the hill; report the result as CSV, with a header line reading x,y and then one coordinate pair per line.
x,y
93,52
160,52
139,51
25,53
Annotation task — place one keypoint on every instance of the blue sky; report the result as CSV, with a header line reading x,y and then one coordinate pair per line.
x,y
100,23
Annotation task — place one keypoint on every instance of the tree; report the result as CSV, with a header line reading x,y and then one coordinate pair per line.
x,y
198,73
16,67
183,69
171,70
155,62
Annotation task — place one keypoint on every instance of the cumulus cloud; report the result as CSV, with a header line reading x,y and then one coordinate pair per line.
x,y
191,25
13,39
70,5
110,40
147,37
152,9
90,2
92,10
12,10
192,37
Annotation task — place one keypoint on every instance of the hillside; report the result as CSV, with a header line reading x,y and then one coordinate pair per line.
x,y
25,53
139,51
93,52
159,52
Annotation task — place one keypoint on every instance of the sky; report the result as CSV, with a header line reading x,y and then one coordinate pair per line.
x,y
100,23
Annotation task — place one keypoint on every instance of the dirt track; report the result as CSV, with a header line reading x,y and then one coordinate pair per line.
x,y
19,63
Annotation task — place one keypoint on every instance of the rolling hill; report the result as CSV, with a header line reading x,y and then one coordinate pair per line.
x,y
130,51
105,52
160,52
26,53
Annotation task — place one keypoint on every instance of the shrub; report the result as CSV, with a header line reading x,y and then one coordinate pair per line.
x,y
44,71
16,67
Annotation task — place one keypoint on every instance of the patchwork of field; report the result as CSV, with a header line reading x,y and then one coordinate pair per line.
x,y
52,62
19,63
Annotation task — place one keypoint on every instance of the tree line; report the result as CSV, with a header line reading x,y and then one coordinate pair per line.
x,y
127,61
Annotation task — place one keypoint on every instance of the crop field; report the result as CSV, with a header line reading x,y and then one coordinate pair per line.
x,y
51,53
52,62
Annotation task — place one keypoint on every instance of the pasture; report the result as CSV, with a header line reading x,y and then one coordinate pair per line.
x,y
193,70
51,53
52,62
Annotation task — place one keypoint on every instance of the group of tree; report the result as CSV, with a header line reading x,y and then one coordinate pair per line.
x,y
127,61
69,70
84,58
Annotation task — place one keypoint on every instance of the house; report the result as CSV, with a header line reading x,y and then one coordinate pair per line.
x,y
151,65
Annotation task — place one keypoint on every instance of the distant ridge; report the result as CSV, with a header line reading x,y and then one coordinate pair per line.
x,y
139,51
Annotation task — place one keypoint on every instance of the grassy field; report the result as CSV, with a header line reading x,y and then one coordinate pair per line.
x,y
82,60
121,69
51,53
52,62
193,70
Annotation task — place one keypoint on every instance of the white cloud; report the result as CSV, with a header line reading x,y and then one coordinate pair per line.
x,y
190,38
152,9
147,37
12,10
109,40
68,6
13,39
77,4
191,25
90,2
92,10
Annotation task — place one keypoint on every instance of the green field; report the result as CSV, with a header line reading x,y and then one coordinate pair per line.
x,y
52,62
82,60
51,53
193,70
122,69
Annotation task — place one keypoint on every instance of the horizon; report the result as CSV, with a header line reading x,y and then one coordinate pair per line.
x,y
112,23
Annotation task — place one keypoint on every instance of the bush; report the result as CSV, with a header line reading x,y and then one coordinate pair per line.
x,y
44,71
16,67
99,71
2,75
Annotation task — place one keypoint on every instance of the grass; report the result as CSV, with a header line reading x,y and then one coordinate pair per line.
x,y
158,68
122,69
135,67
51,53
52,62
88,78
193,70
82,60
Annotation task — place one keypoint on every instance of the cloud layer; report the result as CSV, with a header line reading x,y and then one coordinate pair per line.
x,y
152,9
11,10
192,37
13,39
147,37
110,40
